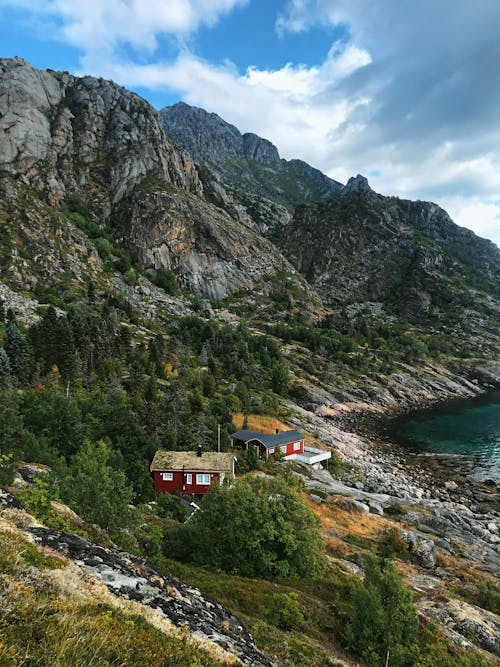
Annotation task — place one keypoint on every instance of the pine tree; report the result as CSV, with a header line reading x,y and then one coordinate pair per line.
x,y
4,366
383,629
98,492
18,352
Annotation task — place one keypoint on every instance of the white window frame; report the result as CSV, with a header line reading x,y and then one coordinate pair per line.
x,y
189,478
283,448
167,476
297,446
201,478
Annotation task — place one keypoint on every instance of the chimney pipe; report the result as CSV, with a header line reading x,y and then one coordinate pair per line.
x,y
199,452
277,430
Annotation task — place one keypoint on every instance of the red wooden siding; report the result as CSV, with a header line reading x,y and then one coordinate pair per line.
x,y
180,484
288,449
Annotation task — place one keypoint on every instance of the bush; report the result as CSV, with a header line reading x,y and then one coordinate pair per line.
x,y
170,506
166,280
255,527
392,544
285,611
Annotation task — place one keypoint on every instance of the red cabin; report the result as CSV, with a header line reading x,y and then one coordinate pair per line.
x,y
289,443
190,472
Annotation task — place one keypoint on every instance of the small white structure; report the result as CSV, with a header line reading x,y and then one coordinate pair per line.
x,y
311,456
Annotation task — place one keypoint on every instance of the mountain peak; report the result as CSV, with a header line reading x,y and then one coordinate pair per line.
x,y
358,183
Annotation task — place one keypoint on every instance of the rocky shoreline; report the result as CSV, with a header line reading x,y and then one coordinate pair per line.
x,y
441,513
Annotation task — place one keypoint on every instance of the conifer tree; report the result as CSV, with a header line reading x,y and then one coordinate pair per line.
x,y
383,629
18,352
4,366
96,490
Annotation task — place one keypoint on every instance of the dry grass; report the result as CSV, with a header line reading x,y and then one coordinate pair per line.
x,y
261,423
348,522
55,613
266,424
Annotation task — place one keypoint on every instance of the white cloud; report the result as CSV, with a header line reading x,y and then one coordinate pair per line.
x,y
98,26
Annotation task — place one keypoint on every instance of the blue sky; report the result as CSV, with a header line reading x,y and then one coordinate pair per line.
x,y
407,93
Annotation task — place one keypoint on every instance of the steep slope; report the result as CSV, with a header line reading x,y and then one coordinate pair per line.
x,y
270,188
363,246
64,138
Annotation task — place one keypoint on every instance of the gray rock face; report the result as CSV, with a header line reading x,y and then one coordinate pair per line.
x,y
64,134
209,139
365,246
357,183
211,253
249,166
421,548
139,580
258,149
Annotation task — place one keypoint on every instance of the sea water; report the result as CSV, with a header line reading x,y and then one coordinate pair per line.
x,y
466,429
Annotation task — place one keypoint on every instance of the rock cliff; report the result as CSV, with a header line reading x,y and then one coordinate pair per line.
x,y
365,246
63,136
250,167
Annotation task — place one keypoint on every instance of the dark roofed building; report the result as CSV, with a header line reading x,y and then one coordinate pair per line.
x,y
287,442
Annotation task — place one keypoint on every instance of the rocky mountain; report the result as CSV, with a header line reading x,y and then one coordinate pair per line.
x,y
364,246
64,138
249,166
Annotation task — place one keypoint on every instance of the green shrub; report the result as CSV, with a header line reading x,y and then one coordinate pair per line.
x,y
392,544
285,611
255,527
170,506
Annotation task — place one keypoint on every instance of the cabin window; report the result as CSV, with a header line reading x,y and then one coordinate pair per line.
x,y
283,449
189,478
167,476
296,446
271,451
202,479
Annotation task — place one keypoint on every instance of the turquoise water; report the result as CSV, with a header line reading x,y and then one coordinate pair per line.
x,y
466,429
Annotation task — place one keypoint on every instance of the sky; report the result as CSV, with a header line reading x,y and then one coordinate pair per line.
x,y
405,92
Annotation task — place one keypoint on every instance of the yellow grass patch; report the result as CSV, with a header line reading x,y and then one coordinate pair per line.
x,y
266,424
346,521
261,423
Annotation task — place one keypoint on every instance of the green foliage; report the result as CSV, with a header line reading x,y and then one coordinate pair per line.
x,y
170,506
96,491
151,182
285,611
248,460
392,544
384,625
6,469
18,352
4,366
165,279
37,500
47,294
255,527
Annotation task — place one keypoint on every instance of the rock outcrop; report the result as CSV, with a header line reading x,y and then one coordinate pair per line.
x,y
64,134
365,246
137,579
212,254
248,165
88,138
